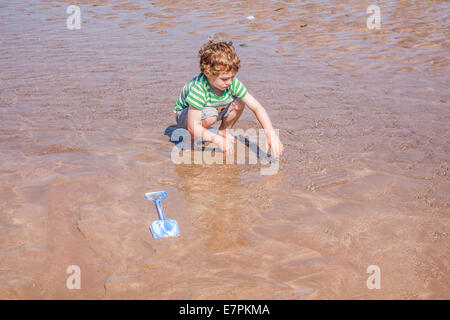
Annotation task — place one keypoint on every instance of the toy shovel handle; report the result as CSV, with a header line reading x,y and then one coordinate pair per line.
x,y
156,197
159,208
160,195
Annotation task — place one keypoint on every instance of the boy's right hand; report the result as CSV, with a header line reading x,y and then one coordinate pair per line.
x,y
225,144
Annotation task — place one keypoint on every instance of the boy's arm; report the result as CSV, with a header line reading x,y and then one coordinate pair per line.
x,y
196,130
261,114
259,111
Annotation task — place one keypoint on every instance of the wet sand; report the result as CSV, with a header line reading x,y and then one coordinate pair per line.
x,y
363,115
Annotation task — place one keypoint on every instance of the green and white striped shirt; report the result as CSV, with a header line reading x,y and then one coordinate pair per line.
x,y
199,94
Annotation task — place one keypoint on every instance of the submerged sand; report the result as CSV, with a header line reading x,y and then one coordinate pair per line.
x,y
363,115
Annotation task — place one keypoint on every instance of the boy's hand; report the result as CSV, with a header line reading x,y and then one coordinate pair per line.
x,y
227,135
225,144
274,143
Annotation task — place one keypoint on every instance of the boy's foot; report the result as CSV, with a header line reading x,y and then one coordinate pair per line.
x,y
227,135
199,144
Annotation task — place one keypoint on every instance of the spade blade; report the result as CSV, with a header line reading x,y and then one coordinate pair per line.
x,y
164,228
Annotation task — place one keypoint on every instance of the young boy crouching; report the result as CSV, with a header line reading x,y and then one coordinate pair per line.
x,y
217,95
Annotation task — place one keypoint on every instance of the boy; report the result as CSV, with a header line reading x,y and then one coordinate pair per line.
x,y
217,95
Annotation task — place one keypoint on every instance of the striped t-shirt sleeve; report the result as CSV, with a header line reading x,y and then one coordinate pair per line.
x,y
238,89
196,97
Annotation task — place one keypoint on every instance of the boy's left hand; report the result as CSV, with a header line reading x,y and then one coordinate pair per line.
x,y
274,144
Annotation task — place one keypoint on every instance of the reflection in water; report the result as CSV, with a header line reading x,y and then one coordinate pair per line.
x,y
217,203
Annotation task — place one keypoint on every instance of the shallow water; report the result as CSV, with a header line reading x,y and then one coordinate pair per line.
x,y
363,115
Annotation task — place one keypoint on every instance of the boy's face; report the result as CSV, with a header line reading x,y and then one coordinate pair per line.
x,y
222,81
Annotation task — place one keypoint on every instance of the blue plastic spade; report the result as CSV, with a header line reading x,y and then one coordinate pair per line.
x,y
163,227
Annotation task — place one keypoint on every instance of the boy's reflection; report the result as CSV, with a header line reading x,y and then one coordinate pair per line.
x,y
217,202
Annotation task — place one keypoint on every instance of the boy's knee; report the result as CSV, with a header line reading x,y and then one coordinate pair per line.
x,y
238,105
208,122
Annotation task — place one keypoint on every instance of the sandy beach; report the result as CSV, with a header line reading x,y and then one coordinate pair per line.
x,y
364,116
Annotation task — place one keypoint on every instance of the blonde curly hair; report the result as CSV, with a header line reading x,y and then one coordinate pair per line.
x,y
217,57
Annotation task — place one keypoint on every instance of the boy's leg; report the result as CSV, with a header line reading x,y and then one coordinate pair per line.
x,y
209,117
208,122
236,109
